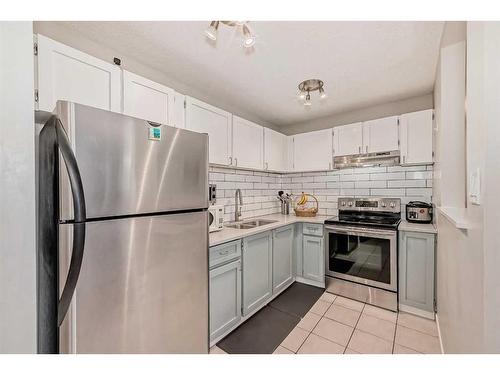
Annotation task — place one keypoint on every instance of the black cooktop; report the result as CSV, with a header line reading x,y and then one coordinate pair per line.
x,y
368,219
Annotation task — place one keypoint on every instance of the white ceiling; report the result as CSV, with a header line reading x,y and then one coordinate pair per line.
x,y
361,63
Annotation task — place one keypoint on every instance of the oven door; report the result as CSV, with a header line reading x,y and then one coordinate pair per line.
x,y
363,255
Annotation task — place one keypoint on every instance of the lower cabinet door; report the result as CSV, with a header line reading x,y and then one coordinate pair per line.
x,y
313,263
297,250
225,298
416,270
257,271
282,258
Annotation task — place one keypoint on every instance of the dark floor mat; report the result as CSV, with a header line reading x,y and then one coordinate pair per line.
x,y
297,300
261,334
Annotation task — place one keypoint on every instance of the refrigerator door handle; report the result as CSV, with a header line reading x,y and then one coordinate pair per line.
x,y
79,220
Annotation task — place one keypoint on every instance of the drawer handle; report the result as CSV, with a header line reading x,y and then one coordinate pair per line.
x,y
224,252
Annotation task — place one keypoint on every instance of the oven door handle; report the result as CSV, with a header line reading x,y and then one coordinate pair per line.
x,y
360,231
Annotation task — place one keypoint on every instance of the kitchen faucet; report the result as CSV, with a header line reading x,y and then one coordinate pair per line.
x,y
237,209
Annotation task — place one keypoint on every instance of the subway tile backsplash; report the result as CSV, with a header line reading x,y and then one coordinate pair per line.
x,y
260,189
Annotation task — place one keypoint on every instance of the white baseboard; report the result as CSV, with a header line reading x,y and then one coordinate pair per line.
x,y
416,311
439,334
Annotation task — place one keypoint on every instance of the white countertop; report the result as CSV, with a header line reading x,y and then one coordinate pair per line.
x,y
416,227
230,234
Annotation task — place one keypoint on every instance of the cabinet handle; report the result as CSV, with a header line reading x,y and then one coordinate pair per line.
x,y
359,150
404,159
267,166
236,162
224,252
367,149
330,165
230,160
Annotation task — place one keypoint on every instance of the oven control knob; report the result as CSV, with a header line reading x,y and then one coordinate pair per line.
x,y
343,203
393,204
350,204
383,204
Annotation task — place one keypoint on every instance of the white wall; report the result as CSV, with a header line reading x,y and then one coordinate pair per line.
x,y
417,103
17,190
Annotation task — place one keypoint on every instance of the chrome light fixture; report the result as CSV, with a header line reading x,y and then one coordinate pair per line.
x,y
248,36
211,32
305,88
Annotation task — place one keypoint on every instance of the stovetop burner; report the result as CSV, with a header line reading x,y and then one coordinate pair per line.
x,y
372,212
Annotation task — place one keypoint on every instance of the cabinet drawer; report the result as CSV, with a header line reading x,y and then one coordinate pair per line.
x,y
312,229
224,253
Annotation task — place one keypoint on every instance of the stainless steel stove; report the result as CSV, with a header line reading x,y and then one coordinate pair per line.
x,y
361,250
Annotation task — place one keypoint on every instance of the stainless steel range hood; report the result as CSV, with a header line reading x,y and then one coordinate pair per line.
x,y
367,160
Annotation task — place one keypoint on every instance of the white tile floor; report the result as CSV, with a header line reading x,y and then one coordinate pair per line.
x,y
338,325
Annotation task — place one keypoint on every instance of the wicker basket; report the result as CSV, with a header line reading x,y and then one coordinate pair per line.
x,y
304,210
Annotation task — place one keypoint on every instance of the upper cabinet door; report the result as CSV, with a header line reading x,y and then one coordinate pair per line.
x,y
381,135
348,139
313,151
65,73
178,117
248,144
147,99
275,150
416,137
204,118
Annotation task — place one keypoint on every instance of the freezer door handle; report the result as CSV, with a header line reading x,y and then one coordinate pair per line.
x,y
79,219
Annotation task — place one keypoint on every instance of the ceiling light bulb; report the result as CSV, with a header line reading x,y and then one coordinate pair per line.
x,y
308,100
322,93
248,37
211,32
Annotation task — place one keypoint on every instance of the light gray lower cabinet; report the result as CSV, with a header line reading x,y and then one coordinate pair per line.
x,y
313,262
257,271
297,249
282,258
225,298
416,270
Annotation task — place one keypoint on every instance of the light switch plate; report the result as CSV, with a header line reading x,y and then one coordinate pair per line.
x,y
475,187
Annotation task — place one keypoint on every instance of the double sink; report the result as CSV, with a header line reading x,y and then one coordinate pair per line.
x,y
250,224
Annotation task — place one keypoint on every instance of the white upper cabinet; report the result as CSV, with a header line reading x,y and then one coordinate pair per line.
x,y
348,139
178,118
381,135
65,73
313,151
416,137
204,118
275,150
248,144
289,153
147,99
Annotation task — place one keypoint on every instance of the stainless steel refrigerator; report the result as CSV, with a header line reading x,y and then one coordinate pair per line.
x,y
122,234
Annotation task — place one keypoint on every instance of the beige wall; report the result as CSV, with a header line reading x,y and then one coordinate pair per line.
x,y
490,113
363,114
459,265
468,282
17,187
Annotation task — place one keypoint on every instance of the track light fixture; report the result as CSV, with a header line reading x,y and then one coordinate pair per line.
x,y
305,88
211,32
248,36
